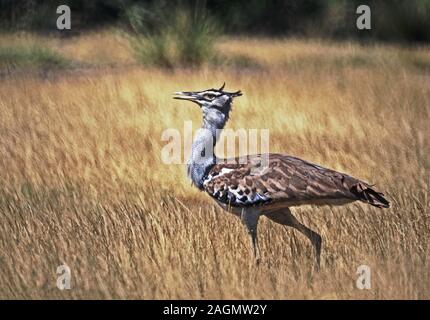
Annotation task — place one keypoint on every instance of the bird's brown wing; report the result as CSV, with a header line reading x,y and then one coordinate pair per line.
x,y
246,181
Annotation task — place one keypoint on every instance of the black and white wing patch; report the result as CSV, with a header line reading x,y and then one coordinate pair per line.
x,y
228,185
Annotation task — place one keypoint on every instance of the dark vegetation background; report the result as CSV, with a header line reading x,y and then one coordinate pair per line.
x,y
392,20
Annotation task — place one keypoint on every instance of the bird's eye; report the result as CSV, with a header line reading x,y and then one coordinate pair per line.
x,y
209,96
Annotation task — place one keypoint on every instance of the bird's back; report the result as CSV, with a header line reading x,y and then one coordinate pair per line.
x,y
284,181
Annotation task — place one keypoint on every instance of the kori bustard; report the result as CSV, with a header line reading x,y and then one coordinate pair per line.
x,y
285,182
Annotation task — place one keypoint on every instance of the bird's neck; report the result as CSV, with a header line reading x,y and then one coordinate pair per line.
x,y
202,157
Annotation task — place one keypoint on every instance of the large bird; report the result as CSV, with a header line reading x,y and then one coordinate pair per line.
x,y
264,184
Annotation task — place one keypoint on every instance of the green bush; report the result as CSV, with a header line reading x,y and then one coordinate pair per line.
x,y
31,56
185,38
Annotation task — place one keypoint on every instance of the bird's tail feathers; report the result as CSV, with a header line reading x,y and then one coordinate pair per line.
x,y
366,194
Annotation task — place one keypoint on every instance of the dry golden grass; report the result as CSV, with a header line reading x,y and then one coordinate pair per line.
x,y
82,183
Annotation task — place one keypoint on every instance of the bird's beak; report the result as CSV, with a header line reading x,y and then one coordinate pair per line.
x,y
183,95
236,94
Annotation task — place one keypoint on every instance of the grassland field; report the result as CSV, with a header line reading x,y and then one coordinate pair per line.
x,y
82,182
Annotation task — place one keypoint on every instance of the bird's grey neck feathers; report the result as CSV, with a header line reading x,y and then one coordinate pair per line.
x,y
202,156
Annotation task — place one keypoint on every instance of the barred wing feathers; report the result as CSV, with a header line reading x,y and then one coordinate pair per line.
x,y
286,180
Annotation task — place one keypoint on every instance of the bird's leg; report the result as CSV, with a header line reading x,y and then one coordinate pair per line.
x,y
314,237
287,219
249,217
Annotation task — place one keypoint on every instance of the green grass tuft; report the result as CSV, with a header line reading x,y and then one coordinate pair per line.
x,y
31,56
186,38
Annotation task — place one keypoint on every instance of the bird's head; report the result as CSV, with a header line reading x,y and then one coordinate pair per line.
x,y
210,100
